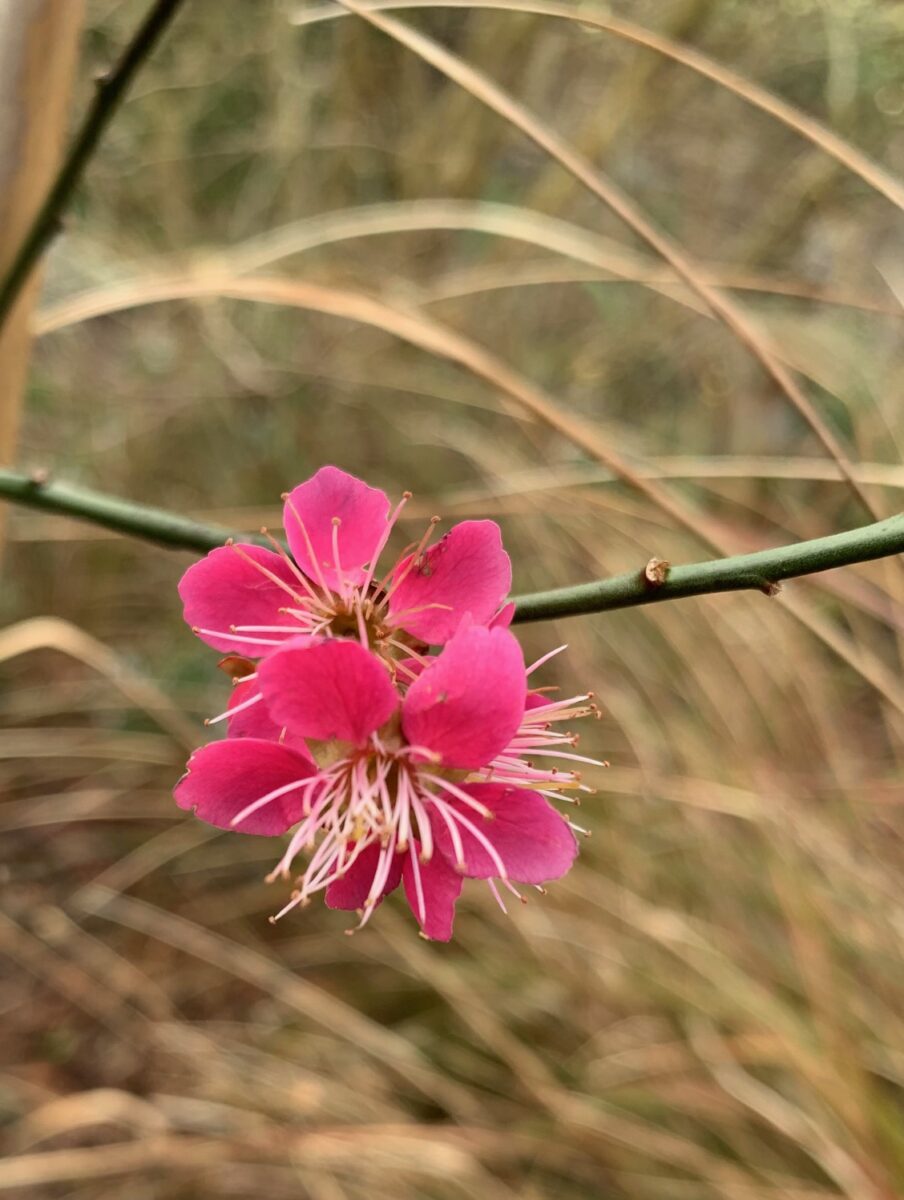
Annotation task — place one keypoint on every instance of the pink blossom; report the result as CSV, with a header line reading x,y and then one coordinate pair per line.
x,y
419,783
246,599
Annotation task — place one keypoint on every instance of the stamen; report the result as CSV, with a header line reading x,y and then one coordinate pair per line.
x,y
413,561
382,540
290,504
477,833
234,637
418,884
281,583
545,659
459,794
492,886
263,629
274,795
336,524
293,567
236,708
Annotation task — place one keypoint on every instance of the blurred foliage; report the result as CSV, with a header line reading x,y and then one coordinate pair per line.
x,y
711,1004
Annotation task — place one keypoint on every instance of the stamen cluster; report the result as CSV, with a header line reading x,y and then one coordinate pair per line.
x,y
389,764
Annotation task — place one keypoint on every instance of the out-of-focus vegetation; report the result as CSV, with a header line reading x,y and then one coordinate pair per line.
x,y
712,1003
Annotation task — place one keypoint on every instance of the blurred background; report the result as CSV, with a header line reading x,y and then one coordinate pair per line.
x,y
299,244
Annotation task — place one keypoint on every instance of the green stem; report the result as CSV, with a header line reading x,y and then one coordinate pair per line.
x,y
761,571
110,90
134,520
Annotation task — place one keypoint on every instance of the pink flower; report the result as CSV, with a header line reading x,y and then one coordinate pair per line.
x,y
245,599
422,789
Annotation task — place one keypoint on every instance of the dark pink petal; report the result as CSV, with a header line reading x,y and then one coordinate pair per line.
x,y
253,722
504,617
441,886
362,512
256,722
223,778
467,571
533,841
468,704
353,888
225,589
327,690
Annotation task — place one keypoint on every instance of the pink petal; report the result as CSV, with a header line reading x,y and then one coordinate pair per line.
x,y
466,572
327,690
362,511
253,722
256,722
225,589
223,778
353,888
534,842
468,704
441,886
504,616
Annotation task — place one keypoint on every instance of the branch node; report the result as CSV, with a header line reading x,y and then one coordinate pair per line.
x,y
656,572
39,477
770,588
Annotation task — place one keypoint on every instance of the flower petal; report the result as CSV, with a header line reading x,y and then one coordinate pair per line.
x,y
532,839
362,512
468,704
467,571
351,891
256,722
226,777
440,887
504,616
327,690
225,589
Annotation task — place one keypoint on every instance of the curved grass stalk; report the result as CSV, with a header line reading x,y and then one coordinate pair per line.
x,y
482,88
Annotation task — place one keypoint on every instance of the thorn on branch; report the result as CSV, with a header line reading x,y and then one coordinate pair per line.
x,y
770,588
39,477
656,572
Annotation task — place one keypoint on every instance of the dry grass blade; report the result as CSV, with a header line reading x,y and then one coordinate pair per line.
x,y
40,633
814,131
734,318
438,339
327,1011
170,1153
408,325
795,1124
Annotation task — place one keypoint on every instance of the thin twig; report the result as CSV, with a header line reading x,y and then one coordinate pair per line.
x,y
110,90
122,516
762,570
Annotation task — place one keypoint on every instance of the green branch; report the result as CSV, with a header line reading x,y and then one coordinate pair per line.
x,y
110,90
133,520
761,571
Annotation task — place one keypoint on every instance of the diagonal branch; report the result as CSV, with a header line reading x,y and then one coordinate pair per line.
x,y
111,89
761,571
